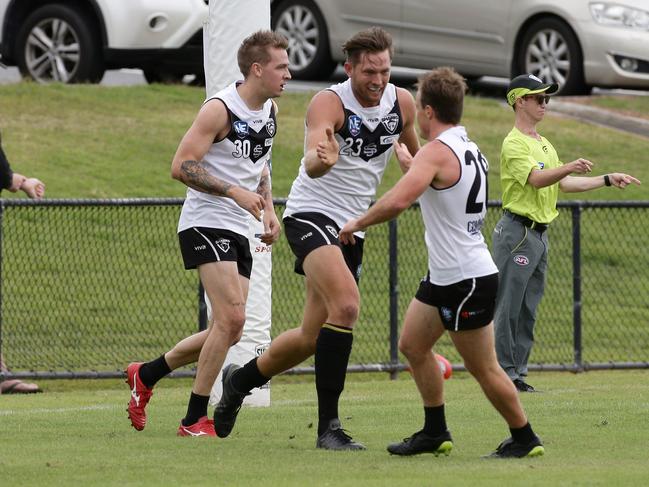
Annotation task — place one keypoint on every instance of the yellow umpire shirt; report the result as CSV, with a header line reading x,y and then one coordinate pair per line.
x,y
520,154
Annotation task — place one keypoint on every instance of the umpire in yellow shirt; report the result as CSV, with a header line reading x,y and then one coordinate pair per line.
x,y
531,176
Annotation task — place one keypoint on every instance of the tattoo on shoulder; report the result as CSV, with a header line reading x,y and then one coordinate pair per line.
x,y
196,176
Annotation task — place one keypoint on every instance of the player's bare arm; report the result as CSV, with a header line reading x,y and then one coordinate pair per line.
x,y
424,170
408,137
324,116
272,227
211,123
577,184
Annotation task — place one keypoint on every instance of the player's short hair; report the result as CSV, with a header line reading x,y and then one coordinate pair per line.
x,y
374,39
255,49
443,89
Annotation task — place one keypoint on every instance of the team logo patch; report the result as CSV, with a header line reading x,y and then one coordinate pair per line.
x,y
270,127
241,128
332,230
390,122
521,260
447,313
354,123
223,244
258,151
541,164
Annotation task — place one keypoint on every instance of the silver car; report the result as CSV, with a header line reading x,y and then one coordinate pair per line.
x,y
575,43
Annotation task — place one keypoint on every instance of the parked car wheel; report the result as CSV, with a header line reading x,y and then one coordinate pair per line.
x,y
163,77
551,51
302,24
56,43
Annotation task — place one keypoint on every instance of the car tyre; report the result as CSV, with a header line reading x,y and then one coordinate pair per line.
x,y
550,50
302,24
163,77
57,43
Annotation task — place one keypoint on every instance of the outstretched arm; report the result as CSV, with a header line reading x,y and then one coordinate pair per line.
x,y
412,184
577,184
548,177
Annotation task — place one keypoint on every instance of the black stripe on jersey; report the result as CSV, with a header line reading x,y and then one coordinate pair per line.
x,y
360,141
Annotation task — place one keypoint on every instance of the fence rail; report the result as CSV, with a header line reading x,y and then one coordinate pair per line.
x,y
87,286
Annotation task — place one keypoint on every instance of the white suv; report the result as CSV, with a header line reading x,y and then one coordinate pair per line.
x,y
77,40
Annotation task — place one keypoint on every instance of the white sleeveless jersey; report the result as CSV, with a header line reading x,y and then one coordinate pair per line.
x,y
365,140
453,216
239,158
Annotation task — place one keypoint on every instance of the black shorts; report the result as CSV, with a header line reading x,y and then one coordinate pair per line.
x,y
306,232
201,245
464,305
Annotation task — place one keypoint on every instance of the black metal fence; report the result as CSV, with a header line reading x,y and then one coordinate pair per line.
x,y
90,285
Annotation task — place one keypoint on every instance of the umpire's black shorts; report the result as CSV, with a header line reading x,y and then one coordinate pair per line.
x,y
307,231
464,305
201,245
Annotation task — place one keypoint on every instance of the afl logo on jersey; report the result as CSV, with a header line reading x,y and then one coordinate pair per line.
x,y
270,127
390,122
241,128
354,125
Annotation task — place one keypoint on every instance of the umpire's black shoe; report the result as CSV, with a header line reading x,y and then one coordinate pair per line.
x,y
523,386
513,449
422,442
336,438
225,412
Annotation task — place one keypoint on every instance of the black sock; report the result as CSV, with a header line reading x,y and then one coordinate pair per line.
x,y
435,421
523,435
196,409
333,346
152,372
248,377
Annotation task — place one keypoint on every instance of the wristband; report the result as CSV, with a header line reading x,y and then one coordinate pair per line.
x,y
607,180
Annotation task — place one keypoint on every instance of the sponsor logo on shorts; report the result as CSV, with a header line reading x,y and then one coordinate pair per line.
x,y
390,122
447,313
223,244
354,123
198,248
332,230
469,313
521,260
306,235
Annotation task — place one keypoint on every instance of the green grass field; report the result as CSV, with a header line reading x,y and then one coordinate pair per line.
x,y
76,433
94,141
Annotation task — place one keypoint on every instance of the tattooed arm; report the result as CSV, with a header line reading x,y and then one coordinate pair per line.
x,y
212,122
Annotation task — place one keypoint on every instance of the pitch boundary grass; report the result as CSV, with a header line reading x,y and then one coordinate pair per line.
x,y
77,433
